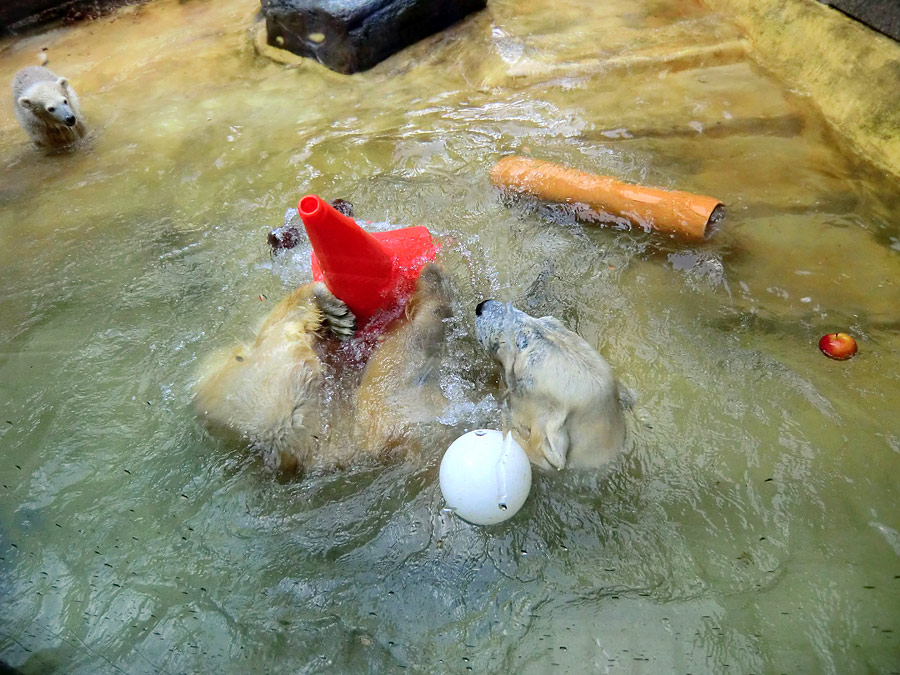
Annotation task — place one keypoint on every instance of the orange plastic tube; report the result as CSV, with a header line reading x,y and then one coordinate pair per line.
x,y
669,211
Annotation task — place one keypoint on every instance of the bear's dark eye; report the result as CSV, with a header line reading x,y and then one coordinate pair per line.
x,y
51,109
65,102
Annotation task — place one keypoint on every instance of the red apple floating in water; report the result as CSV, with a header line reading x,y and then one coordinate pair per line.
x,y
840,346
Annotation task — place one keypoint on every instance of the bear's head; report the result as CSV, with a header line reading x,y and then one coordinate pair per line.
x,y
505,331
49,101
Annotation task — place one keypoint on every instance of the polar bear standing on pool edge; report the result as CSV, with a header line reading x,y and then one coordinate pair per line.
x,y
47,107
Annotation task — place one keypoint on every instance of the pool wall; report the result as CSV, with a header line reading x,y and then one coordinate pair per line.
x,y
851,72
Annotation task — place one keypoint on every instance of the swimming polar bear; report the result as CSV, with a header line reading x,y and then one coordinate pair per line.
x,y
565,404
270,393
400,391
47,107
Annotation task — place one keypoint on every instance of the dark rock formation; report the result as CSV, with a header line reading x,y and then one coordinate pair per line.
x,y
353,35
882,15
12,11
20,15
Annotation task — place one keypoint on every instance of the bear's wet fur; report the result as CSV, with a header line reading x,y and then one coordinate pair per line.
x,y
270,392
47,107
272,395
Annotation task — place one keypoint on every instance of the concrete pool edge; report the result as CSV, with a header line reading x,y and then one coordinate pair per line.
x,y
851,72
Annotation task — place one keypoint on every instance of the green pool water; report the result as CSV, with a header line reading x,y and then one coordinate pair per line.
x,y
751,526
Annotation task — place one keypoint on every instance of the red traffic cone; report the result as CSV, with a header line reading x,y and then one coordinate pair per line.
x,y
371,272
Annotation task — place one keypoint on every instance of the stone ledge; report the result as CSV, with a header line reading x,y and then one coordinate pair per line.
x,y
353,35
880,15
23,15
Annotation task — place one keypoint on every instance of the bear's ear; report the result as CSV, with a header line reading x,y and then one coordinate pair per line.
x,y
63,82
556,446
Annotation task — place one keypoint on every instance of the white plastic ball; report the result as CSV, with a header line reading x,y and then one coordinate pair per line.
x,y
485,477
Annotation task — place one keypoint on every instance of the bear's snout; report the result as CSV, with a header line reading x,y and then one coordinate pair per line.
x,y
480,307
70,121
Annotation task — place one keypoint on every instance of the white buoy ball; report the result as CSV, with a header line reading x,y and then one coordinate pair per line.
x,y
485,477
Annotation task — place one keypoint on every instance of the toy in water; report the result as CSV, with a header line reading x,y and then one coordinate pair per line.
x,y
373,273
288,236
342,206
668,211
283,238
485,477
838,346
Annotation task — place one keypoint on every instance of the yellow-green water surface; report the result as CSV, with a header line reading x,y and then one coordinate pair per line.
x,y
752,525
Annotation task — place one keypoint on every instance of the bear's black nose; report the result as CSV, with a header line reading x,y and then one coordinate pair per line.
x,y
70,121
480,307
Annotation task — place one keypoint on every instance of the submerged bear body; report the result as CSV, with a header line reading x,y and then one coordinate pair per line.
x,y
269,392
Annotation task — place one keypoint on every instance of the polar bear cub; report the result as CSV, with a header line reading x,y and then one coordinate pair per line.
x,y
564,401
47,108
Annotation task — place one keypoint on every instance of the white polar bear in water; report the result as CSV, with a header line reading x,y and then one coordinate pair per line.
x,y
47,108
271,393
565,403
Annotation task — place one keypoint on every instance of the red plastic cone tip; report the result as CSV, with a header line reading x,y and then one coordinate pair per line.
x,y
370,272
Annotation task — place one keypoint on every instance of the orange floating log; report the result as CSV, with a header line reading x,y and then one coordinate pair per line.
x,y
669,211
